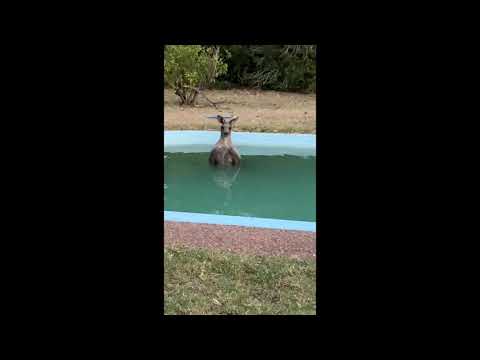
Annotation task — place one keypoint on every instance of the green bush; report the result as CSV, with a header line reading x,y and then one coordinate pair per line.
x,y
269,67
190,68
274,67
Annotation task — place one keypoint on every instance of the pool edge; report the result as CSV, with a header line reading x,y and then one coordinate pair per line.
x,y
265,223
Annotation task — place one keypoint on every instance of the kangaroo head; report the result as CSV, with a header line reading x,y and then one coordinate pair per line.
x,y
226,125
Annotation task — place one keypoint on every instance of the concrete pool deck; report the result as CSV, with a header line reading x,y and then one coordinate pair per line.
x,y
241,239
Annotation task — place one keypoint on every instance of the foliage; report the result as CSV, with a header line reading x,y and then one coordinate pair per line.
x,y
188,68
269,67
274,67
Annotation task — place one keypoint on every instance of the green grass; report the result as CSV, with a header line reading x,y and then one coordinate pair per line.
x,y
201,282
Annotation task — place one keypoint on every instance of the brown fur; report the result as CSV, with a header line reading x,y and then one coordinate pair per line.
x,y
224,153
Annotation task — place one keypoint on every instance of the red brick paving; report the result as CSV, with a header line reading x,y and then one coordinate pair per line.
x,y
240,239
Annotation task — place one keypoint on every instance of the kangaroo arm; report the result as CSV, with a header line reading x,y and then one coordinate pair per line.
x,y
217,156
235,156
212,158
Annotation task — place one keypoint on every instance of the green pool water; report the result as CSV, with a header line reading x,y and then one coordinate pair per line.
x,y
275,187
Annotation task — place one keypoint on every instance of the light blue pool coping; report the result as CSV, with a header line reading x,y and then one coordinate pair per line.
x,y
247,144
240,221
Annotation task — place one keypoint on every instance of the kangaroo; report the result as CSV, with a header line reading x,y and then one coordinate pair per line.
x,y
224,154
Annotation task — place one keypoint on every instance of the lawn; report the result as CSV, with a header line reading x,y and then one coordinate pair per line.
x,y
200,282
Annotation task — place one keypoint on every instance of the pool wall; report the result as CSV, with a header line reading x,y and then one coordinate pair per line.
x,y
247,144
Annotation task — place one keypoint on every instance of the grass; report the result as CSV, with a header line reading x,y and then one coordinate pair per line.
x,y
201,282
258,111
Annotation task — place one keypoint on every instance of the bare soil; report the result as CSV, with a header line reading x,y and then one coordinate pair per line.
x,y
258,111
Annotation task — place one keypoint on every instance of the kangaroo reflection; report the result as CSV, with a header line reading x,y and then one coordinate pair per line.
x,y
224,178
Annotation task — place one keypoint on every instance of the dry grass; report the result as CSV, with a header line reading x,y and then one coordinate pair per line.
x,y
258,111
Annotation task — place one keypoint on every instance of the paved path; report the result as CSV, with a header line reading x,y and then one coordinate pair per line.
x,y
239,239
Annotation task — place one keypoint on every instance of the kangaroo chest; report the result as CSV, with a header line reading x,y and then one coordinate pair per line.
x,y
224,155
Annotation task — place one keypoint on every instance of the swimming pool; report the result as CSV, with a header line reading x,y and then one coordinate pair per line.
x,y
273,188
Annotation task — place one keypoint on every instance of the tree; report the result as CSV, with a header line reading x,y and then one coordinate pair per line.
x,y
191,68
271,67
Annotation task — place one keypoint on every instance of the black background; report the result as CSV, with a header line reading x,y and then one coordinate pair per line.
x,y
99,202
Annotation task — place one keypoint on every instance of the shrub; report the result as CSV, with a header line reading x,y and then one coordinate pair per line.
x,y
191,68
274,67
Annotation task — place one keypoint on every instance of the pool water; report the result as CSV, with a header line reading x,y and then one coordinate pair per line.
x,y
274,187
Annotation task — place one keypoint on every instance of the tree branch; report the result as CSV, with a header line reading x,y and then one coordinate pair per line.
x,y
198,91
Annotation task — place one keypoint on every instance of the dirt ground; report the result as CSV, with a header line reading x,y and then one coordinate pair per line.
x,y
258,111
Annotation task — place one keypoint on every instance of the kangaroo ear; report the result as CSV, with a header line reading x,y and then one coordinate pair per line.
x,y
233,120
220,119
